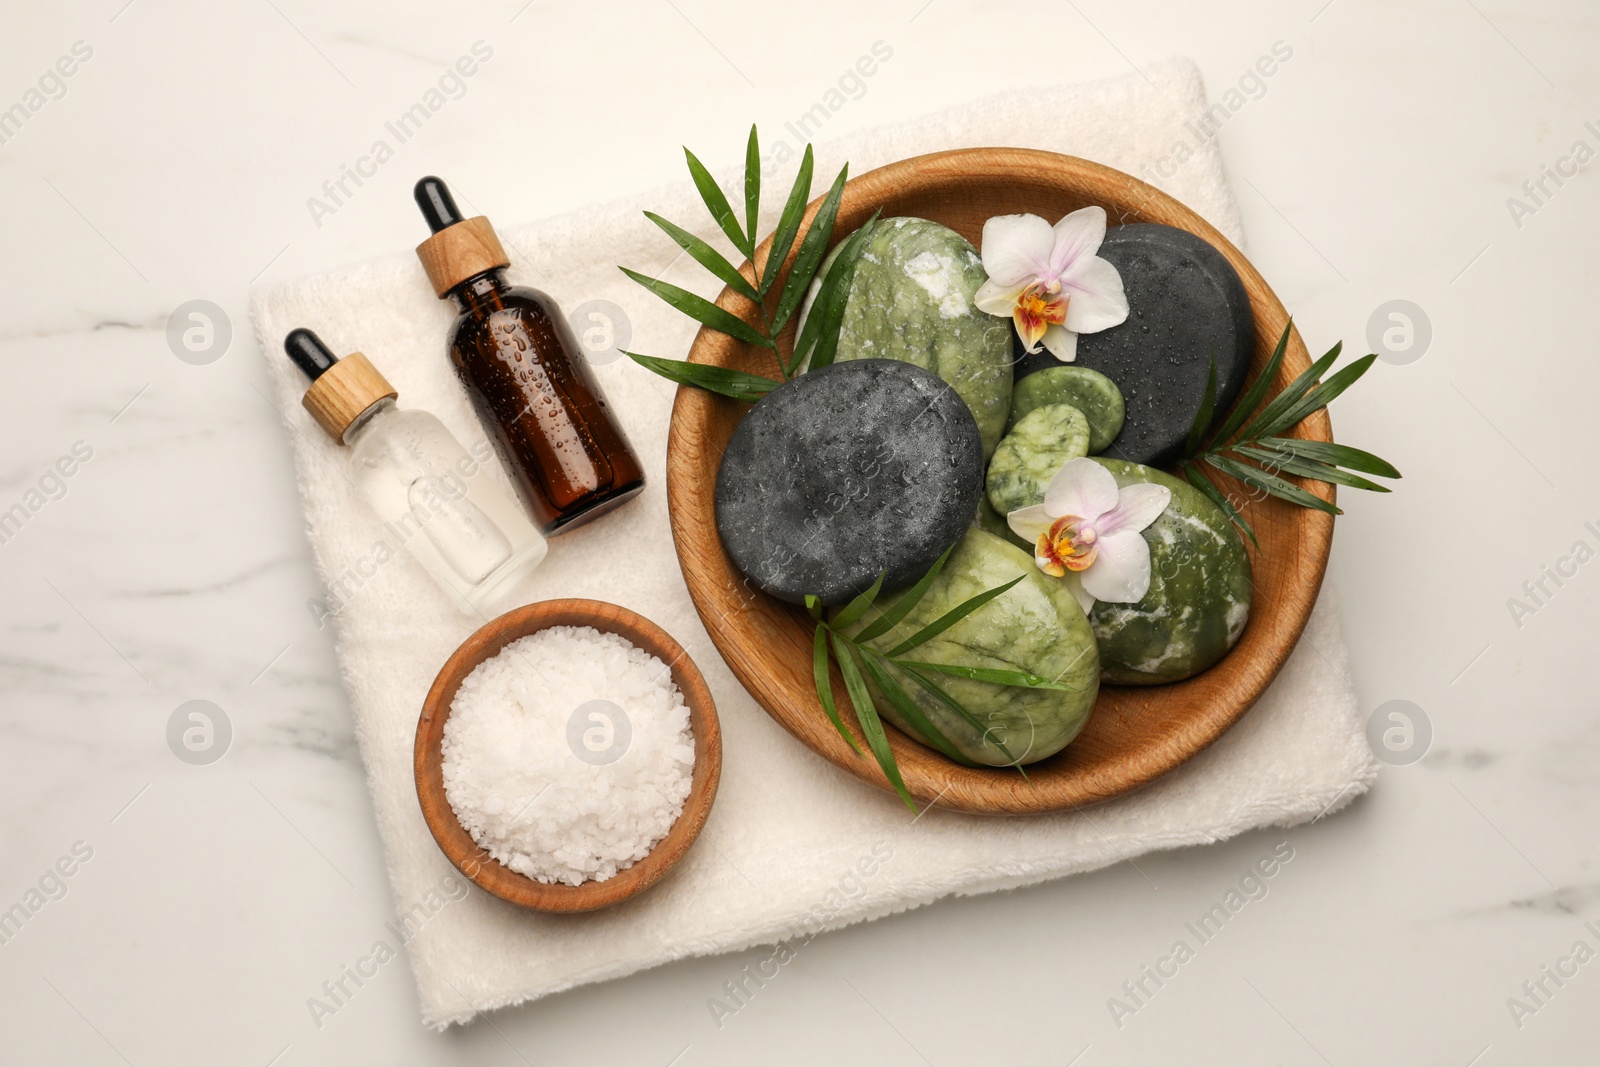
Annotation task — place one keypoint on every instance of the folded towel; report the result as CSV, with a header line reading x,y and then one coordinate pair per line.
x,y
793,845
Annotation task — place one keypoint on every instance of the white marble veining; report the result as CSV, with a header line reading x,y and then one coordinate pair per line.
x,y
176,163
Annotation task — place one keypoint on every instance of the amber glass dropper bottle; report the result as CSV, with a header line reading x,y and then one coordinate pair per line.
x,y
526,374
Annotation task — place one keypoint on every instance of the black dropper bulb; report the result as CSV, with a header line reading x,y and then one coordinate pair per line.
x,y
438,206
308,352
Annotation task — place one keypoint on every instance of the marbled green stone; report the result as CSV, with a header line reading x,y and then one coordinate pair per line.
x,y
1199,597
1031,453
1087,390
1036,626
911,300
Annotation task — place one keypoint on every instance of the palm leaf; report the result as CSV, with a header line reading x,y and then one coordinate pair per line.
x,y
788,223
812,247
994,675
1198,478
819,337
1255,440
938,693
1292,393
1290,463
951,617
705,255
1202,418
1272,484
819,671
1336,454
858,607
1320,397
867,716
752,187
916,718
721,380
889,619
717,204
702,310
1257,391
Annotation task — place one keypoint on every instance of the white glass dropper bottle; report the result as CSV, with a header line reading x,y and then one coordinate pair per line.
x,y
433,496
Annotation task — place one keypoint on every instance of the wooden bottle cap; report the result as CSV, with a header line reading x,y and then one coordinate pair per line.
x,y
457,252
344,391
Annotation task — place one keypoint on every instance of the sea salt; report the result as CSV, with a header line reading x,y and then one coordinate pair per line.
x,y
568,755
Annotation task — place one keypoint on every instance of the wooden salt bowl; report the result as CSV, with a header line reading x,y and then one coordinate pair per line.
x,y
478,865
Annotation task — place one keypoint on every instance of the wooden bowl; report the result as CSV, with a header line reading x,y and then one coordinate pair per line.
x,y
477,864
1135,733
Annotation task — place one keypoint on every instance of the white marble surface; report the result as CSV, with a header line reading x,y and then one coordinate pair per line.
x,y
1376,165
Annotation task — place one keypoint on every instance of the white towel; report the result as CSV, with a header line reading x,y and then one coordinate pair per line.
x,y
790,836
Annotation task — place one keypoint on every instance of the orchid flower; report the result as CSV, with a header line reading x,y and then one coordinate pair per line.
x,y
1087,532
1049,280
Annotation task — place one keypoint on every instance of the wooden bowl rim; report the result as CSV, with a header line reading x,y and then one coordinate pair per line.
x,y
457,844
930,777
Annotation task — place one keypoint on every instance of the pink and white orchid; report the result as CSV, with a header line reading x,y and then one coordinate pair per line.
x,y
1087,532
1049,280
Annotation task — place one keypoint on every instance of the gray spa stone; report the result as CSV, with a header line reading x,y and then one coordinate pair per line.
x,y
1185,303
862,467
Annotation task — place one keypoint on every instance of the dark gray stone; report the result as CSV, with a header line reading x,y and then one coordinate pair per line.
x,y
859,468
1185,303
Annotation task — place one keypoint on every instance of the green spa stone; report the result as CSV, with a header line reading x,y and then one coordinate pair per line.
x,y
911,300
1031,453
991,521
1199,597
1035,626
1087,390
